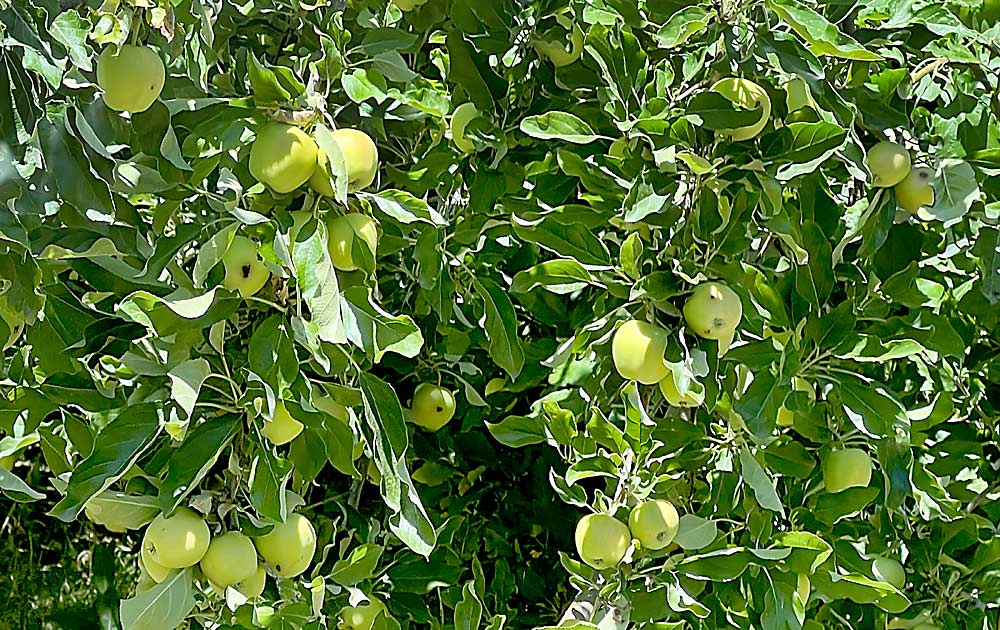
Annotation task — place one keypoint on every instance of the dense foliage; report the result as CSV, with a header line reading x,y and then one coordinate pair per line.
x,y
405,377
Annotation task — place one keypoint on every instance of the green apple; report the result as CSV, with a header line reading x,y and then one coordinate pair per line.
x,y
360,158
245,272
231,558
602,540
888,162
432,407
253,586
847,468
283,157
156,571
14,321
460,119
408,5
747,94
178,541
673,395
289,547
561,53
360,617
654,523
916,190
131,78
637,350
713,311
281,428
344,232
889,571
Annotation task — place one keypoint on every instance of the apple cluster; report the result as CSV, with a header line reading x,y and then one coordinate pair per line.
x,y
184,540
602,540
890,167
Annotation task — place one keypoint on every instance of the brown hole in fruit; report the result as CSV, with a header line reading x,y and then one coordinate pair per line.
x,y
439,409
246,271
277,568
924,175
718,322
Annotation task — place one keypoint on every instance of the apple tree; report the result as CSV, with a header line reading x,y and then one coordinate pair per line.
x,y
505,314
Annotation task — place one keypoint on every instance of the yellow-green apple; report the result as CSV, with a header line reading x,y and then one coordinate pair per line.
x,y
847,468
283,156
432,407
231,558
654,523
177,541
289,547
747,94
916,190
360,159
344,232
131,77
637,349
888,162
245,271
602,540
281,427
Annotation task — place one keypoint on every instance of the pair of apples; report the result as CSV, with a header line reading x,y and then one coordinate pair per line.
x,y
890,167
602,540
713,311
247,273
183,540
285,157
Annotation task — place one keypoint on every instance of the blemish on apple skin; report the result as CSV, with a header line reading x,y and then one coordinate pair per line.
x,y
246,271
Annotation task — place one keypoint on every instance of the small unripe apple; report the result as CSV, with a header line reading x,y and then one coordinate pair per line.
x,y
177,542
561,53
253,586
890,571
289,547
916,190
786,417
131,78
602,540
747,94
360,158
347,231
888,162
713,311
460,119
654,523
230,558
156,571
281,428
283,157
245,272
360,617
673,396
432,407
637,349
847,468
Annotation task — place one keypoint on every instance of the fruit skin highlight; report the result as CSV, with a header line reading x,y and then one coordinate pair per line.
x,y
289,547
637,350
654,523
131,78
283,157
177,542
750,95
847,468
360,159
601,540
888,162
915,191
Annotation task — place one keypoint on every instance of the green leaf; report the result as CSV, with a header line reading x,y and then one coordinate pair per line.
x,y
386,435
16,489
335,163
987,249
558,125
955,191
762,485
70,30
501,327
469,610
375,331
318,284
560,276
683,25
718,112
695,532
190,463
823,37
119,511
185,382
268,477
404,207
518,431
117,447
359,565
165,605
264,83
